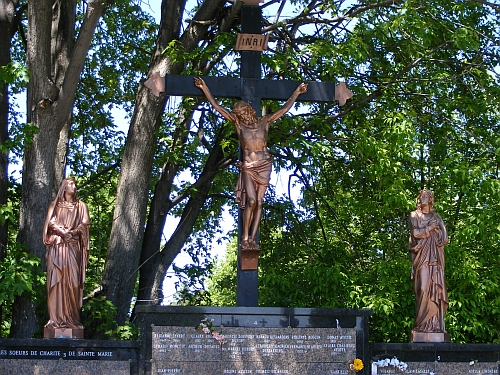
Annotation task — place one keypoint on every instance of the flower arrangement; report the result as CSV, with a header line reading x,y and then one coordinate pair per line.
x,y
355,365
395,362
206,325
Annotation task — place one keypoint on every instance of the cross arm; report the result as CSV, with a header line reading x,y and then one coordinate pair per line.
x,y
177,85
282,89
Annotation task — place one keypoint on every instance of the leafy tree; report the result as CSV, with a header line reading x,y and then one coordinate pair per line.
x,y
424,114
7,14
8,23
222,283
55,60
127,234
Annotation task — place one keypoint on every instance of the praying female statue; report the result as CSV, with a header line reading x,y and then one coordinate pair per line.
x,y
66,236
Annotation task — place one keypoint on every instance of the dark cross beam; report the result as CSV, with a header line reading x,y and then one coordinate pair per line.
x,y
250,88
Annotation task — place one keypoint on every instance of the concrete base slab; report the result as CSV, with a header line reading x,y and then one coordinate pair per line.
x,y
63,333
429,336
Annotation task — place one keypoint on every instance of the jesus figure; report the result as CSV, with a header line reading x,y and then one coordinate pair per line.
x,y
255,168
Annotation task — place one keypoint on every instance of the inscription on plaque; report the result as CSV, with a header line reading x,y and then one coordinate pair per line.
x,y
442,368
250,42
457,368
48,357
43,353
183,350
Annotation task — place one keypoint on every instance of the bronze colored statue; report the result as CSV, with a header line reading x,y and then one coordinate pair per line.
x,y
255,168
66,236
427,241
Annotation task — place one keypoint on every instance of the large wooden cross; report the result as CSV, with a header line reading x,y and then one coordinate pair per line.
x,y
250,88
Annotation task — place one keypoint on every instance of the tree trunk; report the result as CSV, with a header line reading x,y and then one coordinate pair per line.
x,y
60,158
63,40
55,72
153,265
127,232
158,212
36,187
153,289
153,262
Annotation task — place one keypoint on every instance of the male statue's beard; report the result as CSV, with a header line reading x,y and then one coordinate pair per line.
x,y
248,120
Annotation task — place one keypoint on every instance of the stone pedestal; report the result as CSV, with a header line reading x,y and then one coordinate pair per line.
x,y
429,336
63,333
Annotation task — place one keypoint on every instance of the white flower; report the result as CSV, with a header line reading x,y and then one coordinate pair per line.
x,y
395,362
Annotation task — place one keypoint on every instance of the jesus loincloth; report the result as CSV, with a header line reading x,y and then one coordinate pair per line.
x,y
260,173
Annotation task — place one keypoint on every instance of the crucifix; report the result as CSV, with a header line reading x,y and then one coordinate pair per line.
x,y
251,90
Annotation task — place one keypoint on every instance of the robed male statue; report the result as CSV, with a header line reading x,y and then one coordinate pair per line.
x,y
66,236
255,168
428,238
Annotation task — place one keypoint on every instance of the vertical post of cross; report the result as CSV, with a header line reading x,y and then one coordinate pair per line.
x,y
250,88
251,23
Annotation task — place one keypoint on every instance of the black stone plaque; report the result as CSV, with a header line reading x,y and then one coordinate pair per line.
x,y
185,350
67,356
441,368
438,358
453,368
62,367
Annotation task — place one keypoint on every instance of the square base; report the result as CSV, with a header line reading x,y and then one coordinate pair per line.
x,y
249,259
429,336
63,333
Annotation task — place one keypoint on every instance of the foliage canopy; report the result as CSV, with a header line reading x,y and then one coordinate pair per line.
x,y
425,115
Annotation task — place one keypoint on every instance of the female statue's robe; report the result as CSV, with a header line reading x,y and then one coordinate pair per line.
x,y
427,249
66,261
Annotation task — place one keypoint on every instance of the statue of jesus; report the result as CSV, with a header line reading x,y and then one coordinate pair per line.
x,y
255,168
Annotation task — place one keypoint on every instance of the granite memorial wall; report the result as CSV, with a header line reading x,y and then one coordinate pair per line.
x,y
257,340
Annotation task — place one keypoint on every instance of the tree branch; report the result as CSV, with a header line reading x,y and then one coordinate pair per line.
x,y
18,19
99,174
382,87
66,97
493,5
355,11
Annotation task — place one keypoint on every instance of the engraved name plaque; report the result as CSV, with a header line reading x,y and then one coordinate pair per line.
x,y
257,340
184,350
